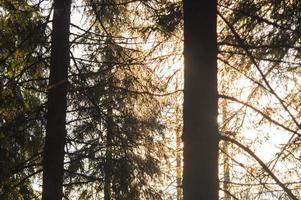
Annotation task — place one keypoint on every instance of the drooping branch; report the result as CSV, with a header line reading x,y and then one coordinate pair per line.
x,y
260,112
262,164
253,60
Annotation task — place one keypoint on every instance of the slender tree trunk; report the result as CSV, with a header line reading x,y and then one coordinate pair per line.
x,y
53,163
108,162
226,166
109,146
179,152
200,101
226,160
179,163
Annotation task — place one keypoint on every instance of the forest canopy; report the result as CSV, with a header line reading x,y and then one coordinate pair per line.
x,y
124,99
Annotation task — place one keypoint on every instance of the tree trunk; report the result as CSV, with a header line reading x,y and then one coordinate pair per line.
x,y
108,161
179,152
200,101
109,144
179,162
226,166
53,158
226,160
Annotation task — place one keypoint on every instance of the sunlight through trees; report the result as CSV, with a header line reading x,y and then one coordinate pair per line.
x,y
93,92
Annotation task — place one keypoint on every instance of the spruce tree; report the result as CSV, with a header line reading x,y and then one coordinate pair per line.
x,y
23,49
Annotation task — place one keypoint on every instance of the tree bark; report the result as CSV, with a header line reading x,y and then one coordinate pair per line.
x,y
53,157
200,101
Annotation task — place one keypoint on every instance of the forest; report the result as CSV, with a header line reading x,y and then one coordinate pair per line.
x,y
150,100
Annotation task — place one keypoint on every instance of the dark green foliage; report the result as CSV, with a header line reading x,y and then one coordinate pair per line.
x,y
21,110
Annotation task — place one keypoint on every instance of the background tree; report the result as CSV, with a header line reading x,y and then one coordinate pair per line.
x,y
115,108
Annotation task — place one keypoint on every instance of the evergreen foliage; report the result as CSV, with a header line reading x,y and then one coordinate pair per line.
x,y
22,68
124,99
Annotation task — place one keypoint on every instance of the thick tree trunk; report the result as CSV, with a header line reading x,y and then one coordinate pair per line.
x,y
53,163
200,101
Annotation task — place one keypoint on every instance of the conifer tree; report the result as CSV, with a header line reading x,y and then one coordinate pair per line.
x,y
115,141
23,49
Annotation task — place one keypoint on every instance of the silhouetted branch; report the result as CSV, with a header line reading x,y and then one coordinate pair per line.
x,y
260,112
262,164
263,76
